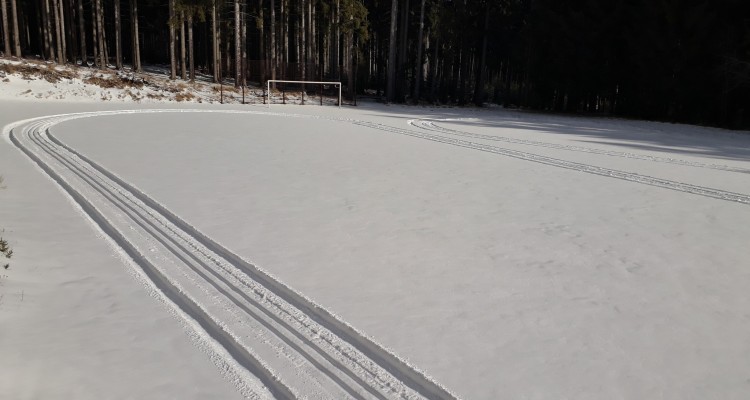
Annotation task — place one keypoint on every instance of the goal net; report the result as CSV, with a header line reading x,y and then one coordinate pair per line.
x,y
303,92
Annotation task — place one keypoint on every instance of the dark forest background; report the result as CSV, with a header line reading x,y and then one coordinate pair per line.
x,y
672,60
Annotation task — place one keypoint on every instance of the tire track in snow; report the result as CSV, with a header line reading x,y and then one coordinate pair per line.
x,y
430,125
294,346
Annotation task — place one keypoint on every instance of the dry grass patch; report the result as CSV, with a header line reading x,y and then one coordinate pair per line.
x,y
227,88
113,82
155,96
186,96
29,71
53,75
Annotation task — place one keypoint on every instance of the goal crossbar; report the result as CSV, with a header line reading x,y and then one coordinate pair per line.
x,y
270,81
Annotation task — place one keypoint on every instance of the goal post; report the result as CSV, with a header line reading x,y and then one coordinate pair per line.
x,y
322,84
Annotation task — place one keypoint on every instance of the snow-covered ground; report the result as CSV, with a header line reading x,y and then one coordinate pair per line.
x,y
505,254
38,80
43,81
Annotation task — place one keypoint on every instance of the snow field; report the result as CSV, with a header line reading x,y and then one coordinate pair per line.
x,y
497,275
242,309
78,322
528,280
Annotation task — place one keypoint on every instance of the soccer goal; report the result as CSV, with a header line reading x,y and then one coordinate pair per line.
x,y
302,92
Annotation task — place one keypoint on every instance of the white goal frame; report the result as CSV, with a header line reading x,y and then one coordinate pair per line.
x,y
268,88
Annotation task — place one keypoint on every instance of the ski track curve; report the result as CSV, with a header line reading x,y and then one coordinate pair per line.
x,y
296,348
571,165
431,125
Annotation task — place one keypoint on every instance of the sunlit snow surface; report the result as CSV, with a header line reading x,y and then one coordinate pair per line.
x,y
437,232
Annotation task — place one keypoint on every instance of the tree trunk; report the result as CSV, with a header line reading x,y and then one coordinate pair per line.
x,y
82,33
71,37
102,44
311,37
303,39
58,31
183,56
273,40
337,42
172,39
325,48
433,72
479,89
401,71
215,44
420,39
237,47
103,27
55,19
23,22
41,29
63,34
243,64
351,51
135,35
50,35
261,43
63,45
297,33
50,32
94,31
227,51
6,29
191,57
327,40
16,38
118,36
284,32
391,86
459,85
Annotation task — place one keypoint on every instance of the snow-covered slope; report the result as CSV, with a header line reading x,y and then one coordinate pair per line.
x,y
43,81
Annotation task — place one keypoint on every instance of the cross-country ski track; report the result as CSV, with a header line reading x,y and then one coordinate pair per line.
x,y
433,126
297,348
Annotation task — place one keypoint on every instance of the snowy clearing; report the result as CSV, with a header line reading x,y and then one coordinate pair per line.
x,y
296,347
505,254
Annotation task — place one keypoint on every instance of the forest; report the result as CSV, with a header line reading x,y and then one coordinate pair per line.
x,y
671,60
